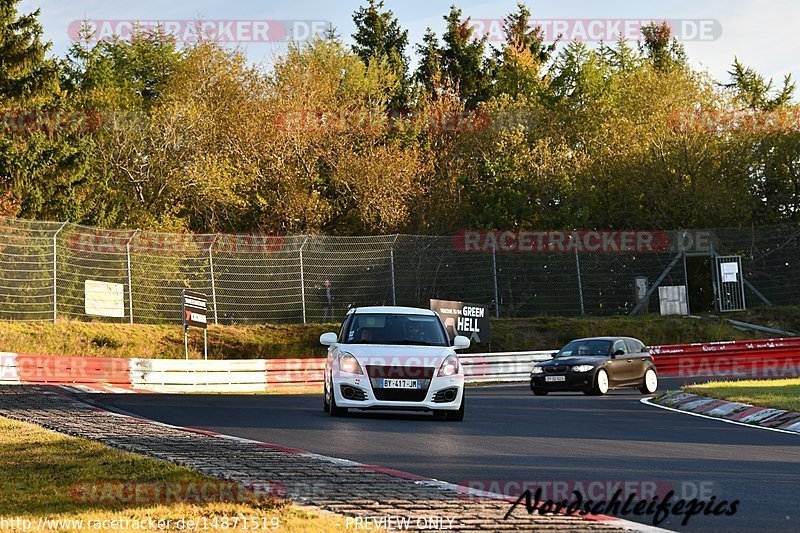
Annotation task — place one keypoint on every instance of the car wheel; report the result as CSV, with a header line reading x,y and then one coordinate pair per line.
x,y
650,382
334,409
538,392
326,405
601,383
456,416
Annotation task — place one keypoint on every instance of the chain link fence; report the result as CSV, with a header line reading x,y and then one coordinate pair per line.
x,y
313,278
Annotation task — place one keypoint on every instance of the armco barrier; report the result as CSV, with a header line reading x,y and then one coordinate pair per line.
x,y
177,375
287,373
56,369
756,358
501,366
8,368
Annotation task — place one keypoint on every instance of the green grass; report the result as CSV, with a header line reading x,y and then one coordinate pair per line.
x,y
778,394
267,341
44,474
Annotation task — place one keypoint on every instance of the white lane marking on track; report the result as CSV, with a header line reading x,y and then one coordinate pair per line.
x,y
647,401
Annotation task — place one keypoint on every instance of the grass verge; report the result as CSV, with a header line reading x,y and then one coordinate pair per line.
x,y
267,341
778,394
47,475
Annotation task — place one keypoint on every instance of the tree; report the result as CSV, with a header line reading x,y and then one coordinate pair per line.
x,y
429,69
754,91
463,59
664,53
25,71
520,61
378,36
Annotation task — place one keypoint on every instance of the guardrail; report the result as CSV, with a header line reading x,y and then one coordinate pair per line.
x,y
758,358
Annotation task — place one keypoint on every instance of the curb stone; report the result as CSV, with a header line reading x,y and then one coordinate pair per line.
x,y
736,412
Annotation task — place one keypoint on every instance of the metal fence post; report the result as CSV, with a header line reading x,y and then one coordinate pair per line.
x,y
55,271
213,280
130,283
391,256
303,279
580,280
494,275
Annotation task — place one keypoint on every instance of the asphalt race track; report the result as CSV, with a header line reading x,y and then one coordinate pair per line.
x,y
510,435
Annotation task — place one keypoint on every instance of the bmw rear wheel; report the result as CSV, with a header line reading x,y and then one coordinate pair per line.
x,y
650,383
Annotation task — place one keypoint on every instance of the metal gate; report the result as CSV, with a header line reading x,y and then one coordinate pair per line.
x,y
730,283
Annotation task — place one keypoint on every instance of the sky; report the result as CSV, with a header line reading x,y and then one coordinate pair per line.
x,y
761,33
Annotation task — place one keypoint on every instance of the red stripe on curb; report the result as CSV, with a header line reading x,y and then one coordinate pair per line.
x,y
278,447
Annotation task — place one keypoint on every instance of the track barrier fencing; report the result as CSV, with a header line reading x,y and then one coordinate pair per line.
x,y
48,268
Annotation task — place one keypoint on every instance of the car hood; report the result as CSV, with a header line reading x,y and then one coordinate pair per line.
x,y
386,355
574,360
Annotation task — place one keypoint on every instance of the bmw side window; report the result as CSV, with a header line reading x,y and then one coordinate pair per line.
x,y
619,345
634,346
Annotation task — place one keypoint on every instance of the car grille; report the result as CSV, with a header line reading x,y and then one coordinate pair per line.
x,y
439,397
378,373
560,369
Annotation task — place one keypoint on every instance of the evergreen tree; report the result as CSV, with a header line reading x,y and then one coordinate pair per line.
x,y
754,91
430,61
524,53
25,71
463,59
665,54
378,35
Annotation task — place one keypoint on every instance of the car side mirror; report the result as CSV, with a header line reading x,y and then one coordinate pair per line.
x,y
553,355
618,352
460,342
328,339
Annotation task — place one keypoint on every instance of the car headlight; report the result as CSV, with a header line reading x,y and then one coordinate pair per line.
x,y
449,366
537,370
348,363
582,368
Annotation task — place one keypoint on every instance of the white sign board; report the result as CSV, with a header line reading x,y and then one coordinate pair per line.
x,y
730,272
104,299
672,300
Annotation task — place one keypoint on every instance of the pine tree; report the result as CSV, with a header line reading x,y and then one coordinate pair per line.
x,y
524,53
463,58
430,61
25,71
664,53
378,35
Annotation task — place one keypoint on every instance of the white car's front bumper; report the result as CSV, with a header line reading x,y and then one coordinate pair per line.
x,y
437,384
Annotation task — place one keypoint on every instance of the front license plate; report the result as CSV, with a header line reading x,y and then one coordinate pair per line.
x,y
399,383
555,378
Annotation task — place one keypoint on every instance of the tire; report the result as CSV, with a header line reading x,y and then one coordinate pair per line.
x,y
456,416
600,383
650,382
326,406
537,392
334,409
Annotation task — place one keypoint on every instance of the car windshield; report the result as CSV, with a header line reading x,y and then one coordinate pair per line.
x,y
420,330
586,347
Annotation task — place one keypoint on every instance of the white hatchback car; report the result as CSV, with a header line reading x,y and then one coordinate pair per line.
x,y
397,358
